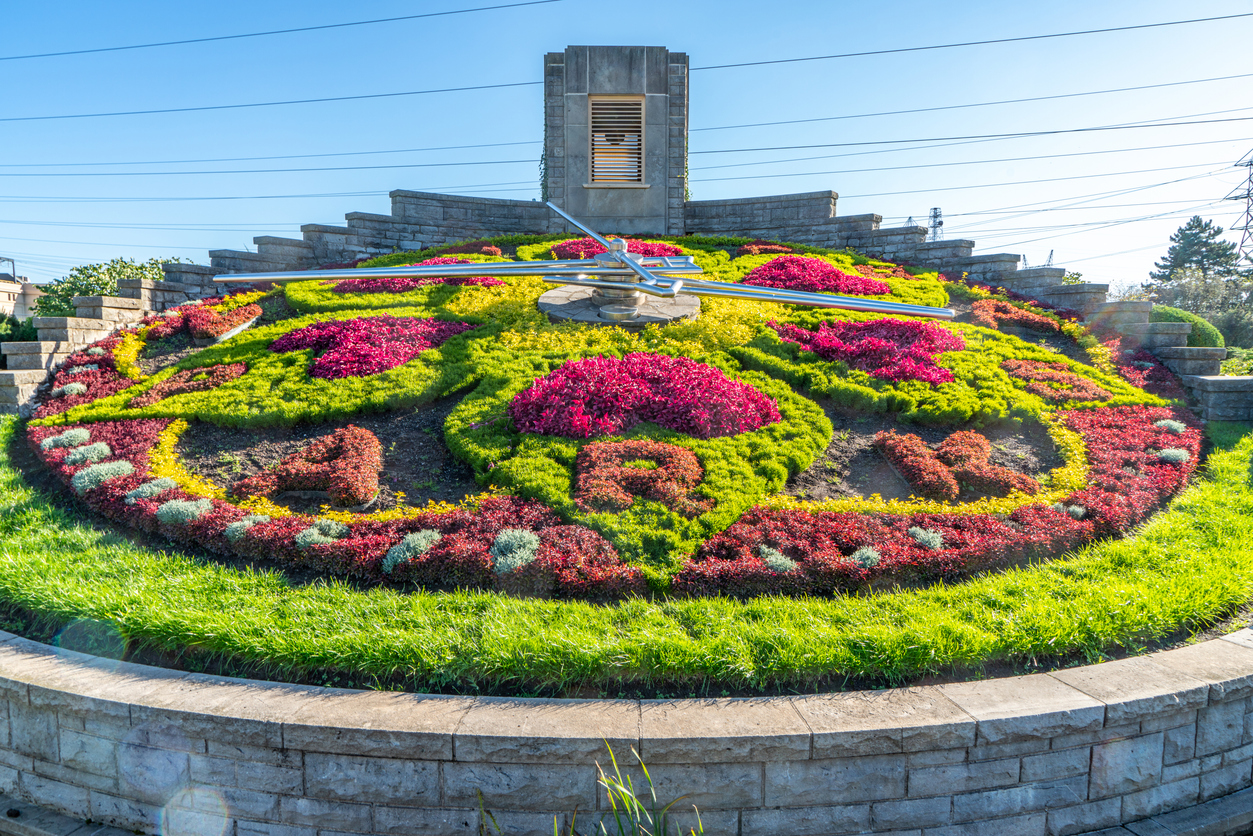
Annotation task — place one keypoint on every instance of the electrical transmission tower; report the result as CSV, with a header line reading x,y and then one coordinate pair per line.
x,y
1049,263
1245,193
936,225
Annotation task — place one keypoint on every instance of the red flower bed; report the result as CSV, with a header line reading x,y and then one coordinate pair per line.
x,y
403,284
918,465
967,455
1054,382
609,478
189,380
879,271
345,464
128,440
369,345
472,247
605,395
813,275
1128,482
1140,367
204,322
889,349
760,247
588,247
990,313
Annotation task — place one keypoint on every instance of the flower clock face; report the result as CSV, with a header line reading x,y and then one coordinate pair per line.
x,y
440,434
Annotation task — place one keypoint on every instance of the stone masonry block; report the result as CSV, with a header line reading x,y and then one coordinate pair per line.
x,y
806,821
1084,818
325,815
278,779
417,821
1034,824
838,780
1026,707
1022,799
352,778
123,812
1162,798
722,731
1135,687
152,774
1225,780
34,732
913,812
1227,666
963,777
1179,744
1220,383
88,753
548,731
1220,727
1180,771
1056,765
520,786
1124,766
882,722
66,798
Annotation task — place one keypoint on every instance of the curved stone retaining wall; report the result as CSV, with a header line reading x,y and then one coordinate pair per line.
x,y
1071,752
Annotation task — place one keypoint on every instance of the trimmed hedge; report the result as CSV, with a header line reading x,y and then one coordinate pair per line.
x,y
1204,335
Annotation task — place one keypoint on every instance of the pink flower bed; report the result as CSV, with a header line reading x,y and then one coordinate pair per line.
x,y
366,346
403,284
889,349
345,464
812,275
607,395
588,247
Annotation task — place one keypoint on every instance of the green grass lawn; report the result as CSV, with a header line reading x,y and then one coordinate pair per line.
x,y
1189,567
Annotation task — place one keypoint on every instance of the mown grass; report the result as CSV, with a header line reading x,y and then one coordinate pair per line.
x,y
1189,567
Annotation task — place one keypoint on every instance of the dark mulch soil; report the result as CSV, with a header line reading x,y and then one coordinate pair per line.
x,y
161,354
852,467
415,460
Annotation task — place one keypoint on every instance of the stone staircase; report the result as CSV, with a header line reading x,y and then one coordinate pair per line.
x,y
96,317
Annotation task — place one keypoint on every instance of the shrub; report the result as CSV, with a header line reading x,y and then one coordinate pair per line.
x,y
149,489
812,275
89,454
1203,334
866,557
234,531
990,313
927,539
588,247
604,395
1176,427
775,560
413,546
1054,381
69,389
95,280
69,438
403,284
369,345
610,477
512,549
177,512
760,247
918,465
90,478
322,532
204,322
1173,455
889,349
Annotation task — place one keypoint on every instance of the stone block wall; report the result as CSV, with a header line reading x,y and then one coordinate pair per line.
x,y
1045,755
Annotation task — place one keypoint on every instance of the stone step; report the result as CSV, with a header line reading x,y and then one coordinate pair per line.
x,y
1085,297
1222,397
108,302
1219,383
75,337
22,377
1117,319
1048,275
34,347
80,323
1157,334
1129,305
21,362
1198,361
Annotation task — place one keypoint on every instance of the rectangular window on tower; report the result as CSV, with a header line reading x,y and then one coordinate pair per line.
x,y
617,140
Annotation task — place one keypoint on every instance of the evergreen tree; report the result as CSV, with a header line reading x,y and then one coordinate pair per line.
x,y
1198,245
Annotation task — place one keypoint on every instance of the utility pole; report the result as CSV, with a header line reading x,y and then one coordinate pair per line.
x,y
1245,193
936,225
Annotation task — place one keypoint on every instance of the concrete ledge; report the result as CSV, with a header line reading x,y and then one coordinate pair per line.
x,y
1161,741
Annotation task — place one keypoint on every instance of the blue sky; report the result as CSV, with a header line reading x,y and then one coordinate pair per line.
x,y
66,198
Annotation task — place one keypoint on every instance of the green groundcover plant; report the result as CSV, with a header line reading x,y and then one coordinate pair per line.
x,y
631,483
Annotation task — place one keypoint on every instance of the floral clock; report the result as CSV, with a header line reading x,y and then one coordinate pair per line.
x,y
610,464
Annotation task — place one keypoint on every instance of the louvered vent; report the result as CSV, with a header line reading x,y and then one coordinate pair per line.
x,y
617,140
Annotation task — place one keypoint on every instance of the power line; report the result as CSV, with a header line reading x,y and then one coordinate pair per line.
x,y
976,104
279,157
960,162
271,32
96,199
978,136
253,170
972,43
270,104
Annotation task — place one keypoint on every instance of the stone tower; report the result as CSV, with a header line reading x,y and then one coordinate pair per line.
x,y
615,147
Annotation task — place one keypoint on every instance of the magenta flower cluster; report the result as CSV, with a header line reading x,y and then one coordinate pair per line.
x,y
587,247
403,284
812,275
889,349
607,395
366,346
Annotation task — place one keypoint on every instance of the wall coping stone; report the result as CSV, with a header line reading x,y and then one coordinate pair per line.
x,y
799,197
1187,352
327,228
179,267
454,198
